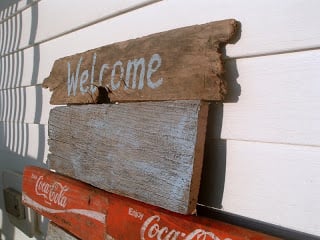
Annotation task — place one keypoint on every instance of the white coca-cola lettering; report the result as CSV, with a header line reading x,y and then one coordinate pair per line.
x,y
152,230
135,213
200,234
54,192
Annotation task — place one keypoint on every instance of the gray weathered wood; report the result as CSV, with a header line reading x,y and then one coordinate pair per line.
x,y
149,151
56,233
178,64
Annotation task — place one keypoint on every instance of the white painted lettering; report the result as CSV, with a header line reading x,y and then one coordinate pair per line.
x,y
151,229
103,68
136,64
54,193
73,81
134,78
135,213
201,235
155,58
114,85
83,80
93,88
33,176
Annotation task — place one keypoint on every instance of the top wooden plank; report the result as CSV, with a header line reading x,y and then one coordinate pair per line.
x,y
178,64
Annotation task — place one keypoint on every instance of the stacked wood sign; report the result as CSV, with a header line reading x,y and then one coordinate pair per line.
x,y
145,152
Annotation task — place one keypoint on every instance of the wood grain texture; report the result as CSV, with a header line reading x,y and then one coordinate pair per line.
x,y
149,151
178,64
268,27
124,218
56,233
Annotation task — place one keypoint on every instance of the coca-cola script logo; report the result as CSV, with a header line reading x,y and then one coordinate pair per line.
x,y
152,230
53,193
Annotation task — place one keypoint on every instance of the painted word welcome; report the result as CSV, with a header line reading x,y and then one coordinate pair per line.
x,y
133,75
179,64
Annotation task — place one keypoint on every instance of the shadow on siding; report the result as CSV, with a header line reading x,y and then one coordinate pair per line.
x,y
214,163
15,134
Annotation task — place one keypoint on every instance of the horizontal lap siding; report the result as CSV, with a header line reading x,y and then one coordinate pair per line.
x,y
49,19
279,99
275,183
279,36
287,29
272,140
22,140
25,105
10,8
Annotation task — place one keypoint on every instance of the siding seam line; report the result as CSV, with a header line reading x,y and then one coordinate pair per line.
x,y
267,142
288,51
19,11
107,17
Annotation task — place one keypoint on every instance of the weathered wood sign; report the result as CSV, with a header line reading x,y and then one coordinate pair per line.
x,y
90,213
178,64
150,151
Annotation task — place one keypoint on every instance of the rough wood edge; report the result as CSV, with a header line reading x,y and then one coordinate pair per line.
x,y
228,36
199,155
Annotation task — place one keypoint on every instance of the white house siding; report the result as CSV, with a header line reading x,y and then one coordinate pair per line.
x,y
263,150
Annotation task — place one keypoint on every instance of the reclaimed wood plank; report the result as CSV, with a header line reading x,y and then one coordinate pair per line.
x,y
56,233
75,206
151,151
178,64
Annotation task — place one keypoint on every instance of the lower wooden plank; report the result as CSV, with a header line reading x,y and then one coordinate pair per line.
x,y
56,233
150,151
90,213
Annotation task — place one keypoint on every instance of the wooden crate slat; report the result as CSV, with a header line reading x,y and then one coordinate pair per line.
x,y
68,202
